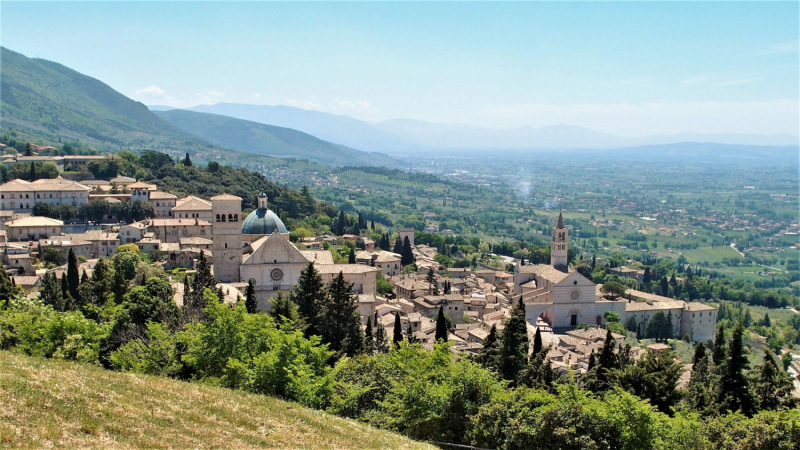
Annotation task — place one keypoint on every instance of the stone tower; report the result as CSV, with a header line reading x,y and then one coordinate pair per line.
x,y
406,233
227,236
559,245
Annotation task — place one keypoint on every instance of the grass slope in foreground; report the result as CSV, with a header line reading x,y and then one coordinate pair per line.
x,y
52,403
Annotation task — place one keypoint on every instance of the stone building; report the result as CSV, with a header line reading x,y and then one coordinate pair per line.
x,y
227,249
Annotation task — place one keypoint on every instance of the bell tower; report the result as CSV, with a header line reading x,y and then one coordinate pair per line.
x,y
559,245
226,233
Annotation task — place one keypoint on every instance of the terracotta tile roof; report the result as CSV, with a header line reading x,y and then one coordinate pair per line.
x,y
34,221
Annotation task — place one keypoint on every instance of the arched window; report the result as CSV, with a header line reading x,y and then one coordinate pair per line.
x,y
217,217
226,245
223,217
235,217
230,217
13,205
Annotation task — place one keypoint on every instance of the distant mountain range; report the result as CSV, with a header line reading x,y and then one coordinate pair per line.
x,y
406,135
270,140
47,100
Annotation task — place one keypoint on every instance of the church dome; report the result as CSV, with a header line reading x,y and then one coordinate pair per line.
x,y
263,222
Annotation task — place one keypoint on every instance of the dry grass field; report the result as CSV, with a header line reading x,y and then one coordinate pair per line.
x,y
57,404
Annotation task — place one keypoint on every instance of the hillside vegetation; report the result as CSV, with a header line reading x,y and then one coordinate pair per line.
x,y
270,140
52,403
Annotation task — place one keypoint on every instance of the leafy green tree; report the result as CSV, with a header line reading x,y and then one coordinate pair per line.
x,y
250,301
514,343
309,294
613,289
284,311
653,377
441,326
658,327
341,327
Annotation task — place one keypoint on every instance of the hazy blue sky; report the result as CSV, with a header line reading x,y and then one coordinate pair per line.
x,y
626,68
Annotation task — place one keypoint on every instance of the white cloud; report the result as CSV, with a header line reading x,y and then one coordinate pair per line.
x,y
152,91
154,95
215,94
257,96
643,119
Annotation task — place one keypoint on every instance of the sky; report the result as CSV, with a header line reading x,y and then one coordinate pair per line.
x,y
626,68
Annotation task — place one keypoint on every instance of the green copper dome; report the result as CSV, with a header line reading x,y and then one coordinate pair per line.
x,y
263,222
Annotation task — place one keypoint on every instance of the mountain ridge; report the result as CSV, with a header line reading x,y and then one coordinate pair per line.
x,y
417,135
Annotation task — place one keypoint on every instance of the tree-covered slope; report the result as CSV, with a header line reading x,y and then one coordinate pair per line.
x,y
59,404
270,140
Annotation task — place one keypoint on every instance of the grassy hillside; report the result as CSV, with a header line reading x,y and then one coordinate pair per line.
x,y
50,403
47,99
270,140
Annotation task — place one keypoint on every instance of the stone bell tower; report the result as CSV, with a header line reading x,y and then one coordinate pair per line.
x,y
226,233
559,245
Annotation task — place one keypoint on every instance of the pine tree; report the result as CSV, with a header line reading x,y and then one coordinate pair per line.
x,y
341,329
514,343
250,301
747,321
397,333
84,277
773,386
101,280
381,340
73,276
537,342
369,339
733,390
310,295
718,354
406,255
538,374
441,326
766,322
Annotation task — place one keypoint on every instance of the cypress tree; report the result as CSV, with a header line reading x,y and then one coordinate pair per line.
x,y
718,354
250,301
187,161
537,342
33,172
369,339
69,304
84,277
51,292
284,310
398,247
397,333
73,276
406,255
351,258
441,326
698,396
607,359
431,279
381,344
514,343
733,389
410,334
309,294
488,356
